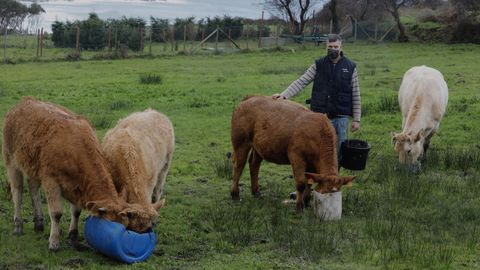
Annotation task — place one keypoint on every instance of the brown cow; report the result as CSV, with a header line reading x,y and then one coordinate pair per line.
x,y
284,132
59,150
139,150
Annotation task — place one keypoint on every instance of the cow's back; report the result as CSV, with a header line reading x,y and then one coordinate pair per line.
x,y
423,86
139,145
273,126
263,114
40,135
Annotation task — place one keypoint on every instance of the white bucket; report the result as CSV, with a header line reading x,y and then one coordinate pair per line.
x,y
328,206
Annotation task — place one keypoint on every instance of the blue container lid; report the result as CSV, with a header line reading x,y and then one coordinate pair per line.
x,y
114,240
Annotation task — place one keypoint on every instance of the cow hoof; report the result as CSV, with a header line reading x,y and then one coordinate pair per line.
x,y
235,195
38,225
53,246
38,228
18,226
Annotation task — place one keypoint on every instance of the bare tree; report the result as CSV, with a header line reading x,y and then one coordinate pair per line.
x,y
294,11
332,6
392,7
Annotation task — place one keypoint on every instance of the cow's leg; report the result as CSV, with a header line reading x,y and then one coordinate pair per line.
x,y
240,155
298,167
34,187
16,188
158,190
73,229
53,194
254,165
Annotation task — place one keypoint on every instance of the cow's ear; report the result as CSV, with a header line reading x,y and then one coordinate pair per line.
x,y
419,135
94,207
394,137
347,180
314,178
159,204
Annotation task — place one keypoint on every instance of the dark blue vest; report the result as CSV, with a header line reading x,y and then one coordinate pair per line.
x,y
332,87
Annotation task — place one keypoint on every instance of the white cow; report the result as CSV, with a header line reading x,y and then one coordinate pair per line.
x,y
423,98
139,150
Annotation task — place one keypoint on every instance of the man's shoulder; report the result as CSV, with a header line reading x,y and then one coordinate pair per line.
x,y
321,60
350,62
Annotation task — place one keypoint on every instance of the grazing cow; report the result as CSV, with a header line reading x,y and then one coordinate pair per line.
x,y
58,150
139,150
284,132
423,98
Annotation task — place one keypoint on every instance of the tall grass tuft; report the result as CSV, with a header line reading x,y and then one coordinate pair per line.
x,y
150,78
222,167
455,158
387,103
119,105
101,122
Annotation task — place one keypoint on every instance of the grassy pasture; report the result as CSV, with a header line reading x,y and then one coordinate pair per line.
x,y
392,219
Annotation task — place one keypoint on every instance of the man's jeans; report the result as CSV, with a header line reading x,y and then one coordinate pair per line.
x,y
340,124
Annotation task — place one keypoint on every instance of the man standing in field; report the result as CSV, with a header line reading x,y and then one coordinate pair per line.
x,y
335,89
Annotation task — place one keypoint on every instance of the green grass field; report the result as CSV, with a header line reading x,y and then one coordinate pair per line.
x,y
392,219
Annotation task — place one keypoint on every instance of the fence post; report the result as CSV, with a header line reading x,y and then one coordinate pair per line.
x,y
203,36
109,38
376,29
331,26
260,32
230,37
276,37
165,40
216,40
141,40
77,44
38,42
173,37
248,33
150,45
5,46
41,42
184,37
116,40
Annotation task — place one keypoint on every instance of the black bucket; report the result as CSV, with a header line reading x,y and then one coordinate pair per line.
x,y
354,154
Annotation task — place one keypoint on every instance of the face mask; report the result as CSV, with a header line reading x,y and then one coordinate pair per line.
x,y
332,53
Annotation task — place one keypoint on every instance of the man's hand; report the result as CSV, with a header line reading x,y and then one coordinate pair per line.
x,y
355,126
278,96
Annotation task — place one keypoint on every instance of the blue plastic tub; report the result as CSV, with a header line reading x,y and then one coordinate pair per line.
x,y
114,240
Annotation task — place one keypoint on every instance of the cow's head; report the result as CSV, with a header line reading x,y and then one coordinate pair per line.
x,y
141,217
409,147
133,216
108,209
329,183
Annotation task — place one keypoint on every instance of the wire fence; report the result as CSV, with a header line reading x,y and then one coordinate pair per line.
x,y
109,43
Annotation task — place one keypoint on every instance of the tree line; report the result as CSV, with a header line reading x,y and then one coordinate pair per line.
x,y
95,33
454,20
459,20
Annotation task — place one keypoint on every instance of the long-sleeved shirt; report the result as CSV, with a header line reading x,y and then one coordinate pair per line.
x,y
309,76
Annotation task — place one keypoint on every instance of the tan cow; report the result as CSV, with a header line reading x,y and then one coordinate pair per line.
x,y
423,98
284,132
58,150
139,150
